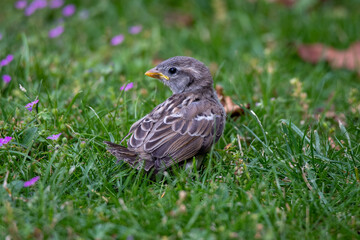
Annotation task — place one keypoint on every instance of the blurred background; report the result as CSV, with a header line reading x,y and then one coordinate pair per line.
x,y
72,76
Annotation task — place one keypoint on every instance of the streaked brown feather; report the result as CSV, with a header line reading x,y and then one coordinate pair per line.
x,y
146,126
174,134
177,125
186,124
183,153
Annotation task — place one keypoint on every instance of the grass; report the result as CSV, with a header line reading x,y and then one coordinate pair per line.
x,y
290,170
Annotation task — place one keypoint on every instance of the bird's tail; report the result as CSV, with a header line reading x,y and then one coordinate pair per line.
x,y
122,153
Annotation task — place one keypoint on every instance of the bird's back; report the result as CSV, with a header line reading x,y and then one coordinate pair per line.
x,y
178,129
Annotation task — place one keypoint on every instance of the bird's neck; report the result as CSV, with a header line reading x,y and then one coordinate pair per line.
x,y
200,90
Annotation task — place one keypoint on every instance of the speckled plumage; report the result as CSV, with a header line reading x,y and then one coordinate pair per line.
x,y
185,125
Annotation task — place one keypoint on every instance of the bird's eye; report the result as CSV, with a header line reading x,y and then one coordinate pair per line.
x,y
172,70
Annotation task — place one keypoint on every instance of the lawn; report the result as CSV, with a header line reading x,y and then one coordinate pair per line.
x,y
288,168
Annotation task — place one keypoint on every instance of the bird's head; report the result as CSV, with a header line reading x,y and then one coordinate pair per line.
x,y
182,74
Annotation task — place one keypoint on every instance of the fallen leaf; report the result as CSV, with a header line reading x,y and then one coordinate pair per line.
x,y
348,59
312,53
230,107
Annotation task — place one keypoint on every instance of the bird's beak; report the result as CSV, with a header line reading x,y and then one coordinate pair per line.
x,y
156,74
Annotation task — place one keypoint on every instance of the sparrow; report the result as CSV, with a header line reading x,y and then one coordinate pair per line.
x,y
187,124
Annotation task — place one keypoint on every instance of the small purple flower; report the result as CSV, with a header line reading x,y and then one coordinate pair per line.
x,y
10,57
5,140
68,10
127,87
54,137
21,4
6,78
40,3
117,39
56,3
135,29
31,181
1,36
30,10
34,5
55,32
7,60
30,106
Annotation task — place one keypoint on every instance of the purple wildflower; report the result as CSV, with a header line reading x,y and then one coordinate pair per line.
x,y
54,137
135,29
68,10
6,78
5,140
34,5
40,3
55,32
30,10
30,106
6,60
127,87
9,58
1,36
21,4
56,3
31,181
117,39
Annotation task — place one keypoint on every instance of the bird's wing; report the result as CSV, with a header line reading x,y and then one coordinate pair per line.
x,y
186,126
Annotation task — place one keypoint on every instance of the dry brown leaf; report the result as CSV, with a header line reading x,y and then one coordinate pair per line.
x,y
312,53
230,107
348,59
